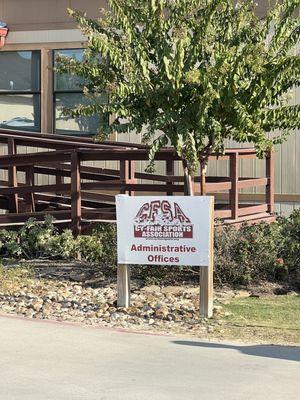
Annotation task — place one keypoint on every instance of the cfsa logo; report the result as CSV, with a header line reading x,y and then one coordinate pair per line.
x,y
160,219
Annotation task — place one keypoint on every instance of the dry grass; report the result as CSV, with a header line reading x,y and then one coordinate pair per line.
x,y
12,279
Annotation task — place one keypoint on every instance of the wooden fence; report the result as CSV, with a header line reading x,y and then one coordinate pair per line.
x,y
81,195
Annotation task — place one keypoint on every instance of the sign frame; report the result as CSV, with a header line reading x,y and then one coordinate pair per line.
x,y
205,271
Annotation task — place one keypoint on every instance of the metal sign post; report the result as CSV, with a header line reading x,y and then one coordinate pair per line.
x,y
159,230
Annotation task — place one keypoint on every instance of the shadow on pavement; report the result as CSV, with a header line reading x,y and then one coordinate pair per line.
x,y
291,353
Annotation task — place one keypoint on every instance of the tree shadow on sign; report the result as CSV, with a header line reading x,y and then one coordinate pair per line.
x,y
291,353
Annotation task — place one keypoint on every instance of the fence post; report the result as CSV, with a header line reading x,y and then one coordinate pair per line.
x,y
127,174
29,177
59,179
270,174
234,191
12,178
75,193
169,172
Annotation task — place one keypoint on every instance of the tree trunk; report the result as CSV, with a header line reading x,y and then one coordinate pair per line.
x,y
189,184
203,168
188,181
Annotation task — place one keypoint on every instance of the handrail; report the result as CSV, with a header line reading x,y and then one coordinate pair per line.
x,y
84,142
67,140
82,198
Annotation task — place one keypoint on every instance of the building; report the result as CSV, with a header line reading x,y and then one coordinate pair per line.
x,y
31,96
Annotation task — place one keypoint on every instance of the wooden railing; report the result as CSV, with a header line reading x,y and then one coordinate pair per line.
x,y
59,142
81,195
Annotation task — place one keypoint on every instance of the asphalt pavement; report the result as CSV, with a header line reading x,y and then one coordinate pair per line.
x,y
42,360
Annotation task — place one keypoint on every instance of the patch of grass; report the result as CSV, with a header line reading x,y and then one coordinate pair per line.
x,y
274,319
13,278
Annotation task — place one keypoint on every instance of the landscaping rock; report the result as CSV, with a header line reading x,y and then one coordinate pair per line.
x,y
228,314
242,293
171,309
281,291
151,289
172,290
218,310
161,312
255,295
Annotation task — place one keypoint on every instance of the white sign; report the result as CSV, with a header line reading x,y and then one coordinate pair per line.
x,y
171,230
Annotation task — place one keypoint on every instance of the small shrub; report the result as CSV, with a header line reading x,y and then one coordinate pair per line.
x,y
247,254
62,245
9,244
90,248
36,238
290,231
281,271
42,239
107,235
242,256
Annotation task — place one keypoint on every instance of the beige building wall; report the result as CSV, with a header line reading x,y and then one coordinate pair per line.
x,y
31,15
45,25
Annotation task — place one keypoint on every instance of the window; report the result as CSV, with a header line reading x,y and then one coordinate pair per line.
x,y
68,93
20,95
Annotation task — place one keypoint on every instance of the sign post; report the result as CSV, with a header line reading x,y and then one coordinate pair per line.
x,y
123,285
165,230
206,274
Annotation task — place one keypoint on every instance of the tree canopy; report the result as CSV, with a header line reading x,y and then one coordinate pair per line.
x,y
193,72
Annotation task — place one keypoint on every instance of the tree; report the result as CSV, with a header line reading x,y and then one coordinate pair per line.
x,y
194,72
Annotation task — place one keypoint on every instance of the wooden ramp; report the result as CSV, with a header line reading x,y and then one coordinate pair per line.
x,y
78,194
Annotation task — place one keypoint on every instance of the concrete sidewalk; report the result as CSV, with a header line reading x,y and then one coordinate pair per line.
x,y
44,360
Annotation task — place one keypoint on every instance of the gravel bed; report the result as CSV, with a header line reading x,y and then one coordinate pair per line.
x,y
167,309
78,293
